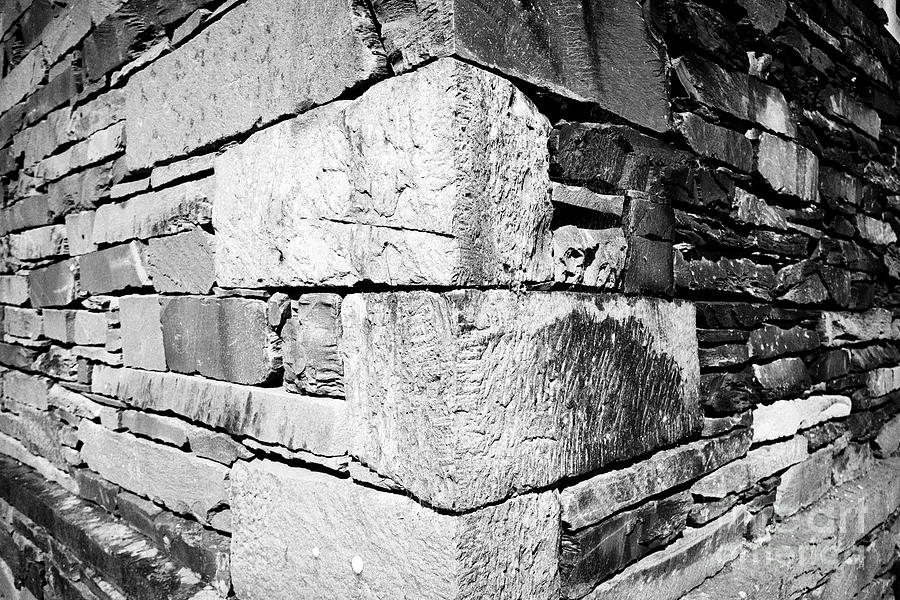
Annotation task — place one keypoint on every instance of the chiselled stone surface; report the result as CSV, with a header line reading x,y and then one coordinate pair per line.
x,y
786,417
601,52
221,338
759,463
463,378
316,425
435,177
300,534
591,257
117,268
715,142
738,276
13,289
158,213
292,56
789,168
54,285
592,554
671,572
840,328
600,496
311,338
39,243
142,337
735,93
182,263
180,481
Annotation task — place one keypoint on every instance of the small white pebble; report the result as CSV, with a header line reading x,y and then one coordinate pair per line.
x,y
742,594
316,552
357,564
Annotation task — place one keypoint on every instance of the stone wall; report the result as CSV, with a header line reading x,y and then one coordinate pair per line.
x,y
449,299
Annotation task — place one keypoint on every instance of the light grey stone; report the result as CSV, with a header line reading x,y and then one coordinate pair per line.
x,y
875,230
54,285
311,338
13,289
581,197
789,168
888,439
316,425
467,397
591,257
142,338
100,146
434,177
22,322
759,463
113,269
181,169
883,381
804,483
786,417
79,232
40,243
335,539
292,56
179,481
182,263
840,328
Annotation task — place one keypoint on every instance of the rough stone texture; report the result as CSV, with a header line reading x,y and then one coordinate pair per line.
x,y
40,243
292,56
142,337
782,377
316,425
591,257
311,338
434,177
715,142
54,285
13,289
225,338
601,52
837,328
738,276
79,232
590,555
771,341
881,382
592,500
759,463
182,263
673,571
164,212
804,483
459,381
402,549
888,439
22,322
786,417
789,168
179,481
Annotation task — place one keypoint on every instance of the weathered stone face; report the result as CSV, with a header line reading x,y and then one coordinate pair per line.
x,y
435,177
468,397
54,285
292,56
300,534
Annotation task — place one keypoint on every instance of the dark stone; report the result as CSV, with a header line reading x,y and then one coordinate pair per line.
x,y
96,489
724,356
202,550
729,393
713,141
588,50
611,158
83,529
832,364
17,357
731,315
713,337
649,219
765,15
734,276
847,254
57,92
648,266
713,426
702,512
597,551
783,377
221,338
823,434
32,211
770,341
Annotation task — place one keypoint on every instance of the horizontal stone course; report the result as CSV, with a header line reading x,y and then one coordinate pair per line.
x,y
292,56
759,463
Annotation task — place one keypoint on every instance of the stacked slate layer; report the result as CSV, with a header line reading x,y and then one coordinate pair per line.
x,y
581,299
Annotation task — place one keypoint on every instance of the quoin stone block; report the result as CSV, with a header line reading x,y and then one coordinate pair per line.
x,y
451,396
435,177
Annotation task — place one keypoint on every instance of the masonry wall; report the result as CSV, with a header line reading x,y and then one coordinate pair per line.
x,y
449,299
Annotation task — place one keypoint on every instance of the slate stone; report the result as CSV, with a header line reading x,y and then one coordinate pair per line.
x,y
292,58
581,197
396,545
759,463
771,341
714,426
737,276
311,346
789,168
589,257
782,377
113,269
847,254
181,482
401,348
594,553
786,417
437,158
182,263
715,142
724,355
13,289
592,500
765,15
728,393
731,315
648,267
840,328
586,50
221,338
54,285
